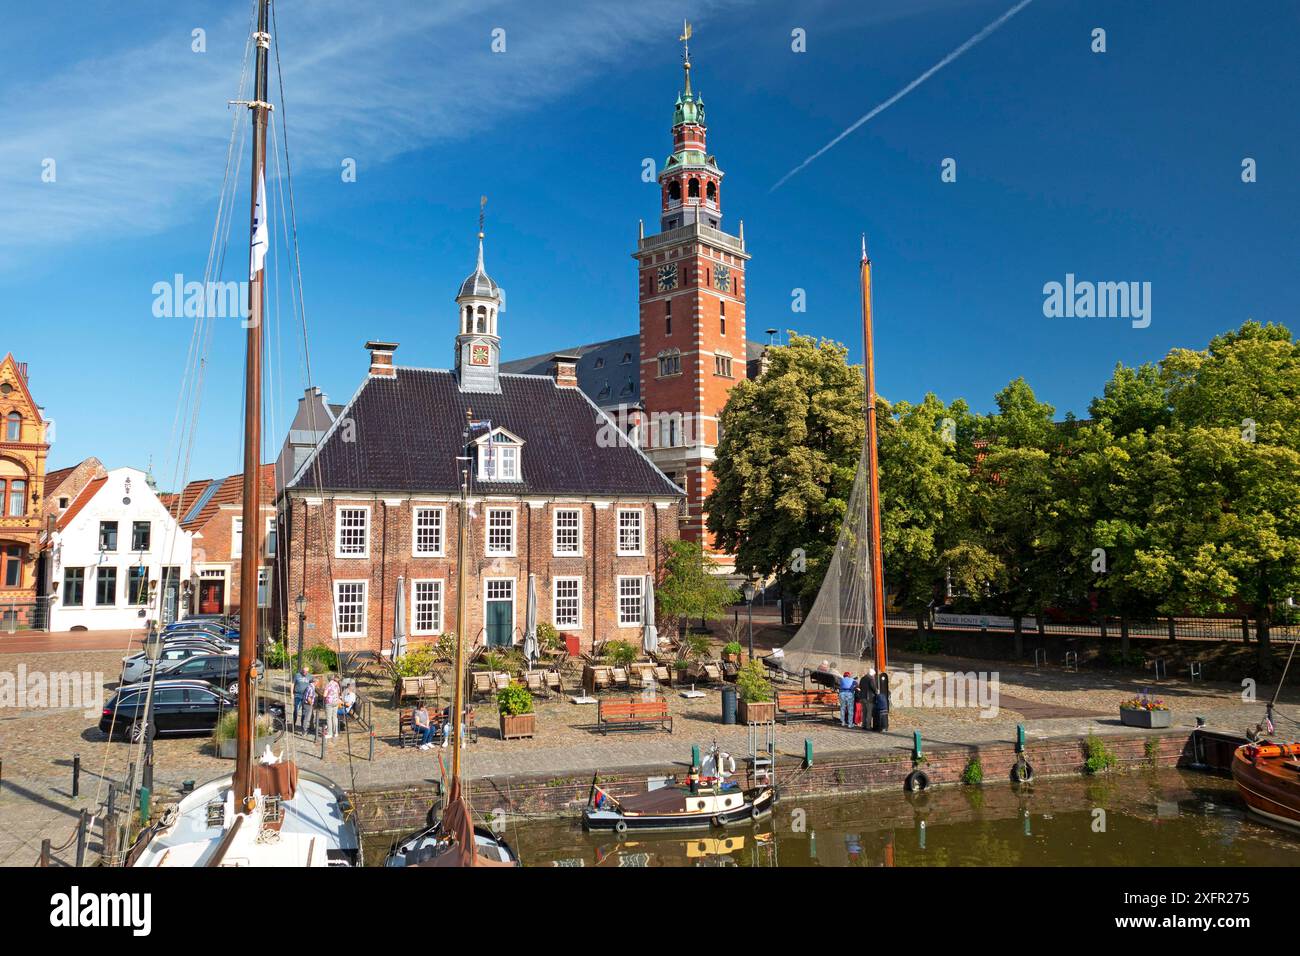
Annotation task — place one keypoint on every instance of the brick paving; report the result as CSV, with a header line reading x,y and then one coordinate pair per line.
x,y
37,746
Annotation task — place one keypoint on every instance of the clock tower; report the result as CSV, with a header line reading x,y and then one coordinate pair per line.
x,y
692,312
478,346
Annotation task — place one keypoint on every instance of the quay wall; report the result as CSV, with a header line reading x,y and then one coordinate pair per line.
x,y
390,808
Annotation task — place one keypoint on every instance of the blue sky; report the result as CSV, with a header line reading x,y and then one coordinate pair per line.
x,y
1122,166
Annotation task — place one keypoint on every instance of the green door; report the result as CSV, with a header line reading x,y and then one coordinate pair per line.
x,y
500,623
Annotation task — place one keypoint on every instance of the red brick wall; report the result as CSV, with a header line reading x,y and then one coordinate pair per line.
x,y
310,566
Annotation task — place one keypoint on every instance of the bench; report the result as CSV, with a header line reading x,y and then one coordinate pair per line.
x,y
799,704
406,726
487,683
634,714
415,688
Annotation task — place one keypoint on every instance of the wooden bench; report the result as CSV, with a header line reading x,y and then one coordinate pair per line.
x,y
798,704
406,726
634,714
415,688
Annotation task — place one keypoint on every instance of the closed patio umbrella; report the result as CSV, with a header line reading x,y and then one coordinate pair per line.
x,y
399,620
530,622
651,635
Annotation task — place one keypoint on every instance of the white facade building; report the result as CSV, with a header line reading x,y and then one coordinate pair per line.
x,y
118,559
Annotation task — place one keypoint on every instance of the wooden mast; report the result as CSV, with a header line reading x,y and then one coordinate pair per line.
x,y
873,506
252,538
458,694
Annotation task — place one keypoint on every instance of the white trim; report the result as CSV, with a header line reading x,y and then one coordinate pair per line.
x,y
441,617
365,609
487,531
555,616
338,527
441,551
618,599
555,533
618,532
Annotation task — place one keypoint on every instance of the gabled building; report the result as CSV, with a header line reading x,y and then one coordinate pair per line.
x,y
23,450
554,496
117,558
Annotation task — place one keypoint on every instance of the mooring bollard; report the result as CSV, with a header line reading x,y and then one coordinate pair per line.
x,y
76,775
110,826
807,753
82,826
45,853
916,747
1020,738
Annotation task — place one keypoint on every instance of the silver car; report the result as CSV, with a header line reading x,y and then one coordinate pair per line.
x,y
136,667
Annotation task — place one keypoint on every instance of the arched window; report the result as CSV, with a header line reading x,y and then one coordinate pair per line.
x,y
693,189
711,192
13,427
468,324
480,324
675,191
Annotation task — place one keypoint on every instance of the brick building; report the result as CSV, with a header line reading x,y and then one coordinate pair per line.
x,y
376,507
212,511
667,385
23,450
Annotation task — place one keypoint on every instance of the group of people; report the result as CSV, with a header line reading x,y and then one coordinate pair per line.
x,y
339,699
864,701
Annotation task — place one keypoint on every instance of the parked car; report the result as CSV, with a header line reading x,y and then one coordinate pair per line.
x,y
179,707
219,669
136,667
211,625
216,640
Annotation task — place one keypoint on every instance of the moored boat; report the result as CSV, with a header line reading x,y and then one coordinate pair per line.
x,y
1268,778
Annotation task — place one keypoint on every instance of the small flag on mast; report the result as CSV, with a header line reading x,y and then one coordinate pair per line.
x,y
260,236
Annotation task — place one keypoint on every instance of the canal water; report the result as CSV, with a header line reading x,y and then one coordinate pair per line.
x,y
1145,818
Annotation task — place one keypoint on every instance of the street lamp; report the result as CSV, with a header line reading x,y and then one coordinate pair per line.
x,y
300,602
153,648
749,602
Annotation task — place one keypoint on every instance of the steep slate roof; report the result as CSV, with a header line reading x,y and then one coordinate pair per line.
x,y
408,431
602,373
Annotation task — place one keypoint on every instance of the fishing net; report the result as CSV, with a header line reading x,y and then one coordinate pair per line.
x,y
838,629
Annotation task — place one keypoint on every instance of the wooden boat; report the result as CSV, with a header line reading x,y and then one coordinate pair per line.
x,y
1268,779
707,799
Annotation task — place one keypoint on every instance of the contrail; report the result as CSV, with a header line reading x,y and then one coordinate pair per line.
x,y
877,110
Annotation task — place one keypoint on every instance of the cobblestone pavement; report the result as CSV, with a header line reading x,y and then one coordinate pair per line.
x,y
37,745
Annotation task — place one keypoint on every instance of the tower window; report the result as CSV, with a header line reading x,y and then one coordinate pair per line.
x,y
668,317
711,192
693,189
722,318
670,363
675,191
722,365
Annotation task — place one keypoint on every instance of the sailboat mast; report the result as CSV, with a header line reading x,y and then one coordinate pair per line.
x,y
873,506
252,539
457,702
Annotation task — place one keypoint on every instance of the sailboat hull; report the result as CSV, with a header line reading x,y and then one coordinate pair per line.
x,y
675,809
430,842
1269,784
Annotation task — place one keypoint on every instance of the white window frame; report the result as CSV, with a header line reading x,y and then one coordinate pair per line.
x,y
271,528
487,444
441,603
263,580
236,536
640,550
487,532
338,531
555,534
441,550
555,602
640,600
365,610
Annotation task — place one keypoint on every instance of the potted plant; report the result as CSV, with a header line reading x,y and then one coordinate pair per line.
x,y
517,717
731,652
621,653
224,735
1144,711
756,703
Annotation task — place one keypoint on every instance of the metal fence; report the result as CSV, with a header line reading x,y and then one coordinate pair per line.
x,y
18,616
1172,628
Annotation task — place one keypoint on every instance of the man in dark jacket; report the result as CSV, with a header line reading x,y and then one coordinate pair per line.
x,y
880,713
867,691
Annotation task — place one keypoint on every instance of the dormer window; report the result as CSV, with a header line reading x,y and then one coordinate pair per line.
x,y
500,456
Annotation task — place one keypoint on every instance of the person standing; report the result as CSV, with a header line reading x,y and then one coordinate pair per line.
x,y
301,681
332,707
309,708
880,713
847,686
867,691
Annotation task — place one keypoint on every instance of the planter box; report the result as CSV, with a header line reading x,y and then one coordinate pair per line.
x,y
1132,717
226,748
518,726
763,712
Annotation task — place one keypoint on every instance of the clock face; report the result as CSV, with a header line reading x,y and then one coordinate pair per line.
x,y
722,278
480,354
668,277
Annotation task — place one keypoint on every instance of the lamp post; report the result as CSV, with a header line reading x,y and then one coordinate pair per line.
x,y
153,648
300,602
749,603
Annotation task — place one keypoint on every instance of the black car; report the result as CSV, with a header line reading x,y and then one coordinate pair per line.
x,y
219,669
179,707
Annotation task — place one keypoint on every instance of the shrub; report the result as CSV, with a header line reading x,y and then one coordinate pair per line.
x,y
444,647
492,660
416,663
1097,756
514,699
228,725
318,659
753,685
621,653
1120,659
973,775
548,638
277,655
732,647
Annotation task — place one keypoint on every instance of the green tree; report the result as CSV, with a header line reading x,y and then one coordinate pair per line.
x,y
691,588
785,466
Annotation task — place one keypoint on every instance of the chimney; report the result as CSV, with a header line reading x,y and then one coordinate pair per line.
x,y
381,359
565,370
